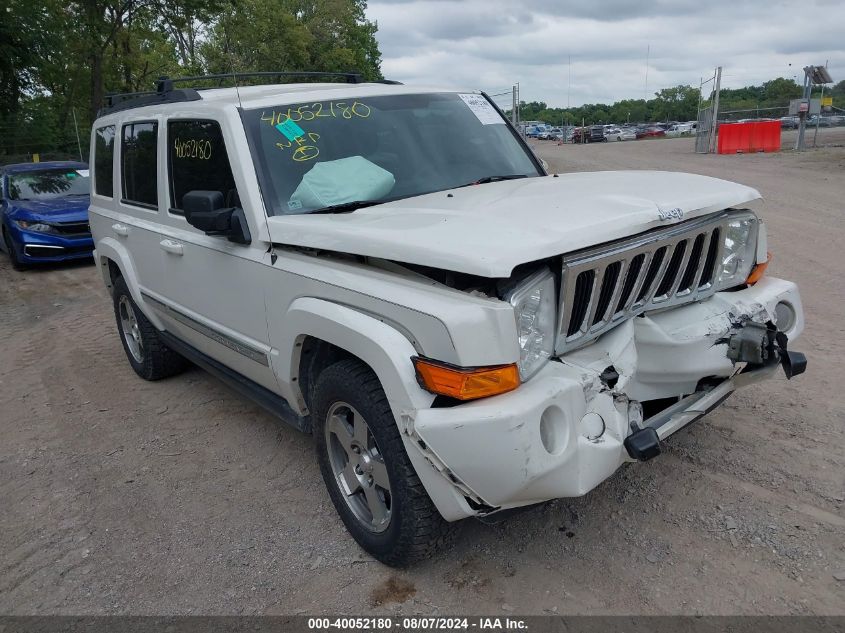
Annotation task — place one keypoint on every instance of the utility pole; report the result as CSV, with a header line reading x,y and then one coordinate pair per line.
x,y
645,87
569,85
716,89
76,126
513,107
802,113
818,118
813,76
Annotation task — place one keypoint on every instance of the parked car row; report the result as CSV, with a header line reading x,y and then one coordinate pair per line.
x,y
603,133
682,129
792,122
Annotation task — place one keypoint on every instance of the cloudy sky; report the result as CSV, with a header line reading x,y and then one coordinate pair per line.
x,y
492,44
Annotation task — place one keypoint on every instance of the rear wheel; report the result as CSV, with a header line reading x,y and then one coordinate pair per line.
x,y
369,477
149,356
17,264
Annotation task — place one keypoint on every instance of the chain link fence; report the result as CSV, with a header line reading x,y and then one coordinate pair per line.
x,y
23,140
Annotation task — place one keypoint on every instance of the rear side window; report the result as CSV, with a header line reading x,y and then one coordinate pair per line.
x,y
139,164
103,161
198,161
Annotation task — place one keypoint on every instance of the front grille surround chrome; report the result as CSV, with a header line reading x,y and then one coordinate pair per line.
x,y
663,268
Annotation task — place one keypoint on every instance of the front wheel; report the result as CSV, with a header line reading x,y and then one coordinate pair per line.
x,y
369,477
17,264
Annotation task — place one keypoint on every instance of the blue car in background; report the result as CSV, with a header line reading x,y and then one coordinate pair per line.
x,y
44,209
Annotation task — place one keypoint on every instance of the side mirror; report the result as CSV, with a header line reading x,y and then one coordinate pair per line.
x,y
205,211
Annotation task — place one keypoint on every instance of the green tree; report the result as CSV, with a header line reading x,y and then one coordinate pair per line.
x,y
324,35
256,35
22,41
343,39
780,90
185,22
679,103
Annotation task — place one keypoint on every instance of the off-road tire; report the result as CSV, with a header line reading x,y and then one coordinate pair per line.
x,y
416,529
157,360
13,255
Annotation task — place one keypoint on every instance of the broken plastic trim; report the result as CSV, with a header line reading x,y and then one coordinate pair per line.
x,y
761,346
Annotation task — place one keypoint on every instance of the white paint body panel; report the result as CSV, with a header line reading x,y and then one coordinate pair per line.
x,y
488,230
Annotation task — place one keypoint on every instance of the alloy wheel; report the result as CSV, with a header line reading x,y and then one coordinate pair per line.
x,y
358,467
130,329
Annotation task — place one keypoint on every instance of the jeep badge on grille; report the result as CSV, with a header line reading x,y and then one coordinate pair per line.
x,y
670,214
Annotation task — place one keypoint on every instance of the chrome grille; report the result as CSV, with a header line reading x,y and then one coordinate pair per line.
x,y
604,286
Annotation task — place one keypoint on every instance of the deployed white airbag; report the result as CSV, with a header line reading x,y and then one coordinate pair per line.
x,y
344,180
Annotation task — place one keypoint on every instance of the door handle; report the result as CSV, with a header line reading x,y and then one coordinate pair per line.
x,y
120,229
174,248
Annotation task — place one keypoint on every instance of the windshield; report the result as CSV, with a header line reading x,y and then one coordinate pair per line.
x,y
48,184
331,154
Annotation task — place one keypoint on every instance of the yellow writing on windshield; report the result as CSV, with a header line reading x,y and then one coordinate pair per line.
x,y
304,147
320,110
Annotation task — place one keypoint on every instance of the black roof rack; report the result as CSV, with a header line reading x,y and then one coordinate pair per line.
x,y
166,93
129,100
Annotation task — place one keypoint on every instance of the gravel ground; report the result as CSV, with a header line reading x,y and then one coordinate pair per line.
x,y
120,496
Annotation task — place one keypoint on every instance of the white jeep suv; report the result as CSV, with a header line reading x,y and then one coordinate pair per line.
x,y
391,269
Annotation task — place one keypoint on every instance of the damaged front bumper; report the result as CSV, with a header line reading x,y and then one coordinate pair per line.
x,y
572,425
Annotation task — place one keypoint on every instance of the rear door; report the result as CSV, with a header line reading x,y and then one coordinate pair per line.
x,y
125,195
213,295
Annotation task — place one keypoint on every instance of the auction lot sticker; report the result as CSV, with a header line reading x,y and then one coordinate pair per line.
x,y
482,109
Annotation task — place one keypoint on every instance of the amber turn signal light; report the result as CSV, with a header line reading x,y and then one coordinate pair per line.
x,y
465,383
758,271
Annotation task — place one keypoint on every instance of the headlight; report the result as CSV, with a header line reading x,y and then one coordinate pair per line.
x,y
740,252
534,305
38,227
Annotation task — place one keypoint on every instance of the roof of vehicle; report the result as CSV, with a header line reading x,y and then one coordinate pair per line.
x,y
17,168
250,97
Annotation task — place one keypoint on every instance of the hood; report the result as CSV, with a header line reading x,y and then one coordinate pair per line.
x,y
70,209
489,229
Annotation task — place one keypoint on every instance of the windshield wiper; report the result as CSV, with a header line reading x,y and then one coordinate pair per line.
x,y
346,207
486,179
